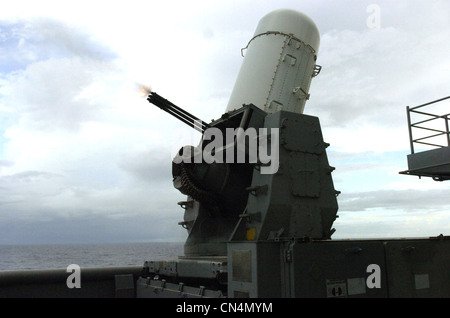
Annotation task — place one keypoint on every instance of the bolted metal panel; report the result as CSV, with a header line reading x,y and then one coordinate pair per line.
x,y
260,260
299,200
150,288
336,269
418,268
306,221
301,133
305,177
242,265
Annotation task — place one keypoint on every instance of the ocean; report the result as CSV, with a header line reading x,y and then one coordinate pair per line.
x,y
52,256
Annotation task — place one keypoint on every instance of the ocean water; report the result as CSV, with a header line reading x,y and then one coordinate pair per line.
x,y
18,257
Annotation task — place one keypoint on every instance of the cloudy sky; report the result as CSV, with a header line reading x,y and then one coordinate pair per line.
x,y
84,158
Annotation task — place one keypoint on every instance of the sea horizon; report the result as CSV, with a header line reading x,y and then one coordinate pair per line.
x,y
60,255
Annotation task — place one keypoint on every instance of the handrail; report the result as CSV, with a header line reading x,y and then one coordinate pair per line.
x,y
410,110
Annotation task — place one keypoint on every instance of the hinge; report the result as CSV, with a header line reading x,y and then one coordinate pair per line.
x,y
317,69
288,256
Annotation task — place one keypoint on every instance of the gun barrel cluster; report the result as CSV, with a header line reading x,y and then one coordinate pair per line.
x,y
177,112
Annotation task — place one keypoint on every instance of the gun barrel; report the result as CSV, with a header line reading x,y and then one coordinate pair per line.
x,y
177,112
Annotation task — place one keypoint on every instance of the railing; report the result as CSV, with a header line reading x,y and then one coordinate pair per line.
x,y
437,132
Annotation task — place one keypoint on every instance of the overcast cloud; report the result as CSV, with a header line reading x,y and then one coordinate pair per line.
x,y
84,158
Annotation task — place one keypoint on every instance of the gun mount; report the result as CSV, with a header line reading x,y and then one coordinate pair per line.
x,y
260,172
232,199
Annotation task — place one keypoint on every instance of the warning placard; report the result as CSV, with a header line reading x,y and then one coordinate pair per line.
x,y
336,288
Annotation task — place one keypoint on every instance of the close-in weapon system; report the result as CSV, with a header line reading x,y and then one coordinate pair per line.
x,y
260,200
